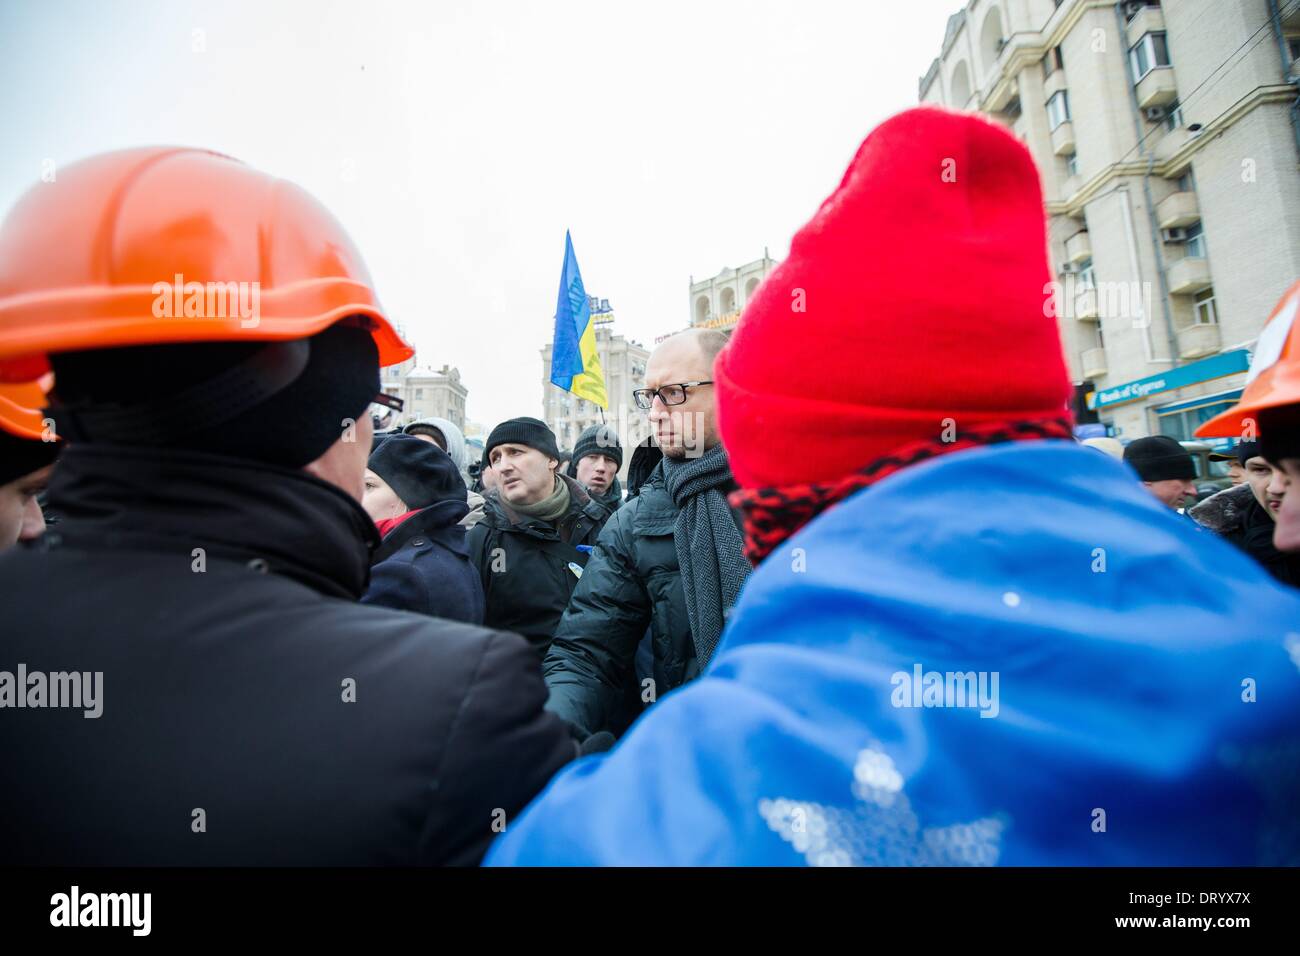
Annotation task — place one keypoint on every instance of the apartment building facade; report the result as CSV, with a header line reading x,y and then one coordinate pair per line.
x,y
1166,136
427,393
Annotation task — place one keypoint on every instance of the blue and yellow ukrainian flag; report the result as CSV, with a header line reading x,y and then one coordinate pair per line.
x,y
575,364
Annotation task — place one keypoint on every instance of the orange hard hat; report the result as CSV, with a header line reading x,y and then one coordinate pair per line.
x,y
21,407
167,245
1274,376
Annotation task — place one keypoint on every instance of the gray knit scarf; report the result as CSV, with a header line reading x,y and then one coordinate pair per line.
x,y
710,549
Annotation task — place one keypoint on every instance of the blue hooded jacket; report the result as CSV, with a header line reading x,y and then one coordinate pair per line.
x,y
1011,655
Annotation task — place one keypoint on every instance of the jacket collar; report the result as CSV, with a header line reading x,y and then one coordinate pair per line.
x,y
273,519
438,522
498,512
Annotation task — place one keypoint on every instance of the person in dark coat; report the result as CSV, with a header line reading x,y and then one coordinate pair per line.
x,y
645,457
415,495
597,457
635,578
1245,514
226,701
537,530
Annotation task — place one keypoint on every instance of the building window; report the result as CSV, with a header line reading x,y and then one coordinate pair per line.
x,y
1149,52
1174,116
1206,313
1181,423
1185,182
1058,109
1072,164
1052,62
419,393
1087,280
1133,7
1195,241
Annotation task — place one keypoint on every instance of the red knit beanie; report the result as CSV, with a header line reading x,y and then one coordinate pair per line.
x,y
917,293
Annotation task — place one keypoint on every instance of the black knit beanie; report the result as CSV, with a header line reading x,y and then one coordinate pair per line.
x,y
1279,433
522,431
213,397
597,440
1160,458
421,474
1244,451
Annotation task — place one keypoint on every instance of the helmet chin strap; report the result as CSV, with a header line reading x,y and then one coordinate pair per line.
x,y
211,402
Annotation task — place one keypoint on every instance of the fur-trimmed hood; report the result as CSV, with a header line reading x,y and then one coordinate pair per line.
x,y
1224,512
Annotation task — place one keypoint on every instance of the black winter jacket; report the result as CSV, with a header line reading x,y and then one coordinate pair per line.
x,y
1236,516
253,713
526,565
423,565
632,582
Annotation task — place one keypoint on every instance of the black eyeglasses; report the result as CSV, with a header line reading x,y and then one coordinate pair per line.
x,y
389,401
668,394
384,409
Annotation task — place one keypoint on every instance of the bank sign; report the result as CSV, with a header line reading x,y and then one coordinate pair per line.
x,y
1217,366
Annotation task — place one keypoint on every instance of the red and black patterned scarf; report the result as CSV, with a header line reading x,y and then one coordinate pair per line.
x,y
774,514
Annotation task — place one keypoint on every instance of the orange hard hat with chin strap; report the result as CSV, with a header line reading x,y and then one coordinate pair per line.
x,y
163,246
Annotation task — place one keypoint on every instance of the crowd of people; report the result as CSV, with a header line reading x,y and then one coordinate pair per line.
x,y
862,526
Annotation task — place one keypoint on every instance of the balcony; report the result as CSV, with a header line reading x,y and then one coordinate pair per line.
x,y
1177,210
1063,139
1085,306
1094,363
1198,341
1078,247
1157,88
1189,275
1150,20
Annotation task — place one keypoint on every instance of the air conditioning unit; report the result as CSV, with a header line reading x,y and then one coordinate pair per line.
x,y
1069,269
1173,235
1155,113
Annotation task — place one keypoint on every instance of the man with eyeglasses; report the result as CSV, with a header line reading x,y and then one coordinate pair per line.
x,y
670,560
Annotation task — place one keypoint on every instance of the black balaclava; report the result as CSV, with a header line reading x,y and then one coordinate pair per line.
x,y
215,396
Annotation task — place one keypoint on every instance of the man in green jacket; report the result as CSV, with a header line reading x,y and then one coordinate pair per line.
x,y
670,560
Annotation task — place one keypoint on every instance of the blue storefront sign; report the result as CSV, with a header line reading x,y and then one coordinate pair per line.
x,y
1217,366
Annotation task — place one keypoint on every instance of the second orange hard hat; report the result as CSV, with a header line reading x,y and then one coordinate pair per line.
x,y
1274,377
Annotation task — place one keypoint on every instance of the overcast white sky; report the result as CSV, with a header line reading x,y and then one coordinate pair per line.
x,y
457,141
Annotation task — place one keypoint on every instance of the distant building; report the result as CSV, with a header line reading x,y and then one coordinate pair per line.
x,y
716,303
427,393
